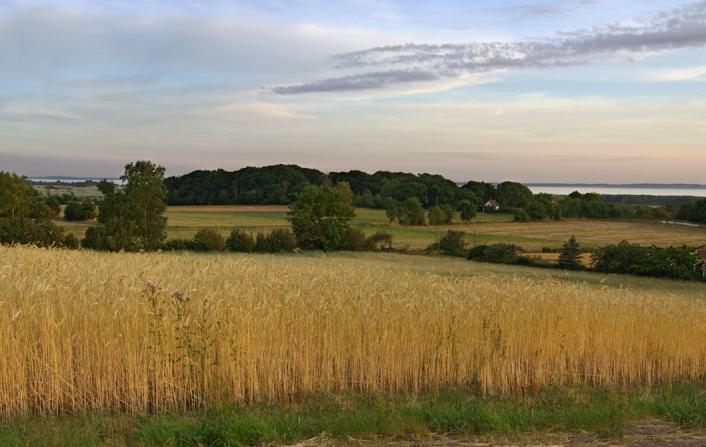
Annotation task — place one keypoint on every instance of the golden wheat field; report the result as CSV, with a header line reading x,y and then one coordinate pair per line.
x,y
84,331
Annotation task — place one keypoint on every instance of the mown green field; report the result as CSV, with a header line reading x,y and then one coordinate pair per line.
x,y
185,221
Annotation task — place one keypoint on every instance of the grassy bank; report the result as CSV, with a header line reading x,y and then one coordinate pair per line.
x,y
344,416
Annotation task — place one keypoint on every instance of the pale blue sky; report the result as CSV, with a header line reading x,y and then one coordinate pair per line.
x,y
543,90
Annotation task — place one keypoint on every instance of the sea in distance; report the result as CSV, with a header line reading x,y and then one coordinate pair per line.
x,y
647,189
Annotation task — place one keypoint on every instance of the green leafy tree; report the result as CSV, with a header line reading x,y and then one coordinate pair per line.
x,y
467,210
514,195
132,217
208,239
320,217
79,211
411,212
570,257
391,209
436,216
16,196
239,240
145,191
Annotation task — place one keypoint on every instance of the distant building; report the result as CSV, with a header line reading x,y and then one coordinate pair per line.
x,y
491,205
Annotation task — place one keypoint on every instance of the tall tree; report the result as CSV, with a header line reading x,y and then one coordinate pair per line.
x,y
16,196
132,217
145,191
320,217
570,257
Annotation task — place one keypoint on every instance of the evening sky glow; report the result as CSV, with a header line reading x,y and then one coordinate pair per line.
x,y
533,90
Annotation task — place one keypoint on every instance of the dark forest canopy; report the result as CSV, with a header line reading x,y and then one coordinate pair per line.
x,y
279,184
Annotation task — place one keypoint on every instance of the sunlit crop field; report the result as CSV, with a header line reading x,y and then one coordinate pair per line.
x,y
138,333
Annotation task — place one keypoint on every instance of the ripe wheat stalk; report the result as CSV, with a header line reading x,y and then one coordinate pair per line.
x,y
138,333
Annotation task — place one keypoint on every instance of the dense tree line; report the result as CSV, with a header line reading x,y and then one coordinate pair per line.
x,y
693,212
410,199
25,215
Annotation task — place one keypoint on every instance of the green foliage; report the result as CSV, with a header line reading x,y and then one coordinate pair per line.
x,y
355,240
411,212
132,218
208,239
16,196
467,210
481,190
391,209
41,233
495,253
633,259
179,245
320,217
146,194
278,240
54,204
381,240
239,240
456,413
80,211
437,216
570,256
453,243
521,215
514,195
693,212
71,242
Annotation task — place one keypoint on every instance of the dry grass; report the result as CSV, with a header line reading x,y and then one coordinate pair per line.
x,y
84,331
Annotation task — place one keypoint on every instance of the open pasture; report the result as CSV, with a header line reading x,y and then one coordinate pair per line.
x,y
138,333
185,221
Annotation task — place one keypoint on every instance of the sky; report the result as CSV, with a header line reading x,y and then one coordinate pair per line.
x,y
524,90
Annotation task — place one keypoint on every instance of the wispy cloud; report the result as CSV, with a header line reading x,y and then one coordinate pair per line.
x,y
688,74
386,66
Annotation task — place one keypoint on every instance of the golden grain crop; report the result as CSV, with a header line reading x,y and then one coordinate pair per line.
x,y
84,331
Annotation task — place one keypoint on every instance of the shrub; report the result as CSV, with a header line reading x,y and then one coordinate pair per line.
x,y
208,239
453,243
95,238
79,211
411,212
570,256
71,242
495,253
521,215
179,245
278,240
28,231
436,216
355,240
282,240
239,240
467,210
669,262
382,240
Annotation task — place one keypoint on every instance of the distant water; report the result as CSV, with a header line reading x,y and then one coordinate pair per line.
x,y
71,179
655,190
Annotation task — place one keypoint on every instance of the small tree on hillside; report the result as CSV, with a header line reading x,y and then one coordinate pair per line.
x,y
570,257
391,209
412,212
467,210
321,215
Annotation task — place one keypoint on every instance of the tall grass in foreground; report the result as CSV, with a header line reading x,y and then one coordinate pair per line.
x,y
84,331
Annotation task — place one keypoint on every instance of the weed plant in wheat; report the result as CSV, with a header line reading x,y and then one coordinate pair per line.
x,y
138,333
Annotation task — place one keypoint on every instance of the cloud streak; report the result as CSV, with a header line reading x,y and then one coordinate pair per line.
x,y
386,66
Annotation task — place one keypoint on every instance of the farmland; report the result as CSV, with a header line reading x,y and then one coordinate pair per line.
x,y
184,221
155,333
